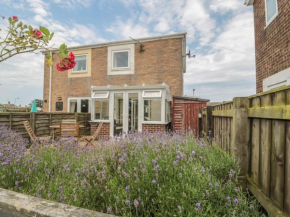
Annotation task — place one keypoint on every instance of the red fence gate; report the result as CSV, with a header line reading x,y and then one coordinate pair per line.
x,y
186,112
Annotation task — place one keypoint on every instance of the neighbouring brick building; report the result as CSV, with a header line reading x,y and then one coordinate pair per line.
x,y
272,40
125,84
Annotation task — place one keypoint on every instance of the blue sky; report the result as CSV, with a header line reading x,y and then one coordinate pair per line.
x,y
216,73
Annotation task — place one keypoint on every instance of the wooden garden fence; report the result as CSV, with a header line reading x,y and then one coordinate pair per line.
x,y
40,121
256,129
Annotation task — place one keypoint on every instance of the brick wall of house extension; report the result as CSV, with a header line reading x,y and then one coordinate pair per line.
x,y
160,62
105,130
272,42
152,128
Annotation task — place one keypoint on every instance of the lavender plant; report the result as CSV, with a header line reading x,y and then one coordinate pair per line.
x,y
140,175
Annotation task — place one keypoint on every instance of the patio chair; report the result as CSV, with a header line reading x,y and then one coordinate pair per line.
x,y
90,139
34,139
69,129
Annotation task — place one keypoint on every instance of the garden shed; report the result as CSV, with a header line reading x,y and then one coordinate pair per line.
x,y
186,113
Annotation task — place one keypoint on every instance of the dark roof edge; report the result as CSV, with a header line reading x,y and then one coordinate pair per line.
x,y
191,98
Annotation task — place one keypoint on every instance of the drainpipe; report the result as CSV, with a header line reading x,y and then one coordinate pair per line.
x,y
50,80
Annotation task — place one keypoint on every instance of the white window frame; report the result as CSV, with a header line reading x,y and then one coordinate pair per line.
x,y
78,100
163,113
93,110
106,95
266,15
83,71
148,91
131,61
119,51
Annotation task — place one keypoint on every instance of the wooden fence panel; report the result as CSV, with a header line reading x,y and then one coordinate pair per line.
x,y
278,155
287,170
268,148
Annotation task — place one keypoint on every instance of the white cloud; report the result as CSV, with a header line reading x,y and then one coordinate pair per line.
x,y
39,7
223,6
128,29
73,3
221,74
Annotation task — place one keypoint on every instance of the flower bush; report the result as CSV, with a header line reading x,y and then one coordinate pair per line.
x,y
140,175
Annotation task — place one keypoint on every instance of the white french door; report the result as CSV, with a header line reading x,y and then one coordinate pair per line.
x,y
125,112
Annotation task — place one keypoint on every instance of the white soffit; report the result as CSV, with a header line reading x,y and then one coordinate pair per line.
x,y
249,2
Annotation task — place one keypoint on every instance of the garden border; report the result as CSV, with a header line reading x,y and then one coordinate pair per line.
x,y
26,205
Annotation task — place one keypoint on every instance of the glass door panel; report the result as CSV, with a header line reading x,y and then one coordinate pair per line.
x,y
133,112
118,114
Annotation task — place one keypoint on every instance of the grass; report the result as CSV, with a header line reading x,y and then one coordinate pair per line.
x,y
140,175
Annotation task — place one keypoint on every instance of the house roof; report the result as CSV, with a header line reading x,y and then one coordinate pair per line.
x,y
122,42
126,87
249,2
195,98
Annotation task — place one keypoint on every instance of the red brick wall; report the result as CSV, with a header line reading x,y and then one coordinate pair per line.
x,y
273,42
152,128
160,62
105,130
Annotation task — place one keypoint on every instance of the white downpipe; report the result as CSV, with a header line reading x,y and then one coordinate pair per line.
x,y
50,80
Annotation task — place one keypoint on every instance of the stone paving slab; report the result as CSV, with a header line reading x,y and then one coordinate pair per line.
x,y
21,205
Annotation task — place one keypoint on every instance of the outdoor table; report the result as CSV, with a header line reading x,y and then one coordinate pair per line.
x,y
55,127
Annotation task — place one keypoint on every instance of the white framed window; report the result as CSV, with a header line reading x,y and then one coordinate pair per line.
x,y
271,10
81,63
152,109
120,59
100,95
101,110
152,94
79,105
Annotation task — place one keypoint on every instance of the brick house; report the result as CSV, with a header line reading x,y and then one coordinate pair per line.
x,y
125,84
272,40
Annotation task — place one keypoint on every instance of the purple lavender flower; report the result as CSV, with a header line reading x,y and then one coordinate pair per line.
x,y
127,188
217,185
210,185
207,192
154,161
17,171
119,168
109,209
203,170
121,160
127,202
153,181
16,183
175,163
1,154
136,203
236,190
236,201
251,206
197,206
193,153
179,208
228,198
156,167
38,195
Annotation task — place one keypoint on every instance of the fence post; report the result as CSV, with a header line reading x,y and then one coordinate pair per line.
x,y
33,122
240,134
209,128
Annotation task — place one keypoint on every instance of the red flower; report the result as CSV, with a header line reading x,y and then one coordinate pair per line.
x,y
66,63
37,33
15,18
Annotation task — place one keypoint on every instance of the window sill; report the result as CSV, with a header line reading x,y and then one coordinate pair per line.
x,y
121,72
79,72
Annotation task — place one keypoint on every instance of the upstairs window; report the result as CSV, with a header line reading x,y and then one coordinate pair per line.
x,y
271,10
120,59
81,63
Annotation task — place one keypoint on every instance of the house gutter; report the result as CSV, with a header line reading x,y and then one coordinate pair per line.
x,y
50,81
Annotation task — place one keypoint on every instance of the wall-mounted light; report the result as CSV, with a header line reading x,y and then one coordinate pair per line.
x,y
59,98
45,101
